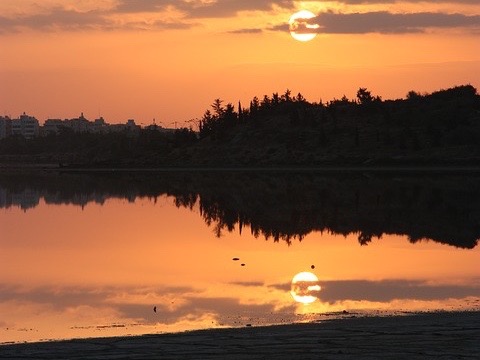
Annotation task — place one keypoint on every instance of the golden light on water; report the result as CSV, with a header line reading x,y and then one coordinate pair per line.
x,y
89,285
300,28
305,287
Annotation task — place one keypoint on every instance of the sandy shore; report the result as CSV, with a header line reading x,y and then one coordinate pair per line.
x,y
445,335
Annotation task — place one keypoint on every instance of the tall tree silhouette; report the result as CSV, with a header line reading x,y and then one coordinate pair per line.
x,y
364,96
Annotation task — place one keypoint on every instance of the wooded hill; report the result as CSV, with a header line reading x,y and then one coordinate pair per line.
x,y
441,128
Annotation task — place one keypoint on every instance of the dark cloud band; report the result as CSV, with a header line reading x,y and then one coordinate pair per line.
x,y
384,22
387,2
59,18
216,9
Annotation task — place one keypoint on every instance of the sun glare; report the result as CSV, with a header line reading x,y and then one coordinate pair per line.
x,y
305,287
300,28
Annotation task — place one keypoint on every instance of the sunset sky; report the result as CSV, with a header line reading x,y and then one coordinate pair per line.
x,y
169,60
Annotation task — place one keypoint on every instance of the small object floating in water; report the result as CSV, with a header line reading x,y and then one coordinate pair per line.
x,y
312,267
243,264
154,309
236,259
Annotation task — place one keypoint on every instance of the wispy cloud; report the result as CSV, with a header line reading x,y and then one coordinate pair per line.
x,y
119,15
248,283
365,2
386,22
246,31
202,9
60,19
56,18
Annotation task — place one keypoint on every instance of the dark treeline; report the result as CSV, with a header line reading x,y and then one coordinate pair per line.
x,y
69,147
286,130
282,206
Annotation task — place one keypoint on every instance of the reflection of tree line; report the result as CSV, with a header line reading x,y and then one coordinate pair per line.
x,y
446,208
288,206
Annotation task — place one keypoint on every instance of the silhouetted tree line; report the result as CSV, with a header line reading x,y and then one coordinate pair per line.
x,y
222,118
285,206
284,130
299,110
438,128
89,147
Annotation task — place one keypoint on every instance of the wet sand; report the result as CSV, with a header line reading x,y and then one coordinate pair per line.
x,y
443,335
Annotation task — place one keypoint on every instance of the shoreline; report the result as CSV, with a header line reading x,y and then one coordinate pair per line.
x,y
306,169
412,336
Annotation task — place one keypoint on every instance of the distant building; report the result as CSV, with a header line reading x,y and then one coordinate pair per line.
x,y
5,127
128,126
26,125
99,125
131,125
29,127
52,126
79,125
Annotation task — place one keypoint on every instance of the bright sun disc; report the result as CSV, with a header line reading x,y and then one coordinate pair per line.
x,y
305,287
300,28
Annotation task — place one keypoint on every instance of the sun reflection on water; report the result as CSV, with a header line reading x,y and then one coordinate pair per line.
x,y
305,287
141,255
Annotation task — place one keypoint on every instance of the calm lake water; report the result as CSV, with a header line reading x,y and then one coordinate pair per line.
x,y
105,254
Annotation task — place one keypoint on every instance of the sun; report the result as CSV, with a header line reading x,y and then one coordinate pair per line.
x,y
305,287
300,28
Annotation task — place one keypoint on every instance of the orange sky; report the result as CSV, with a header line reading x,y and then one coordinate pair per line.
x,y
168,59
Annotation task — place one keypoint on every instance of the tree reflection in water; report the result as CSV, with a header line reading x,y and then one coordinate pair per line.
x,y
283,206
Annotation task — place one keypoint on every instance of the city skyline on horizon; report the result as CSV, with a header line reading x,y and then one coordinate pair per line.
x,y
168,60
188,123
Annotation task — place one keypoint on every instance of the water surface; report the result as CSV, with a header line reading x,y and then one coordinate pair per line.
x,y
94,254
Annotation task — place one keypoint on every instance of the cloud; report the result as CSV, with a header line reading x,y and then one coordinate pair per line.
x,y
246,31
134,6
55,19
58,18
248,283
202,9
119,17
229,8
363,2
384,22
